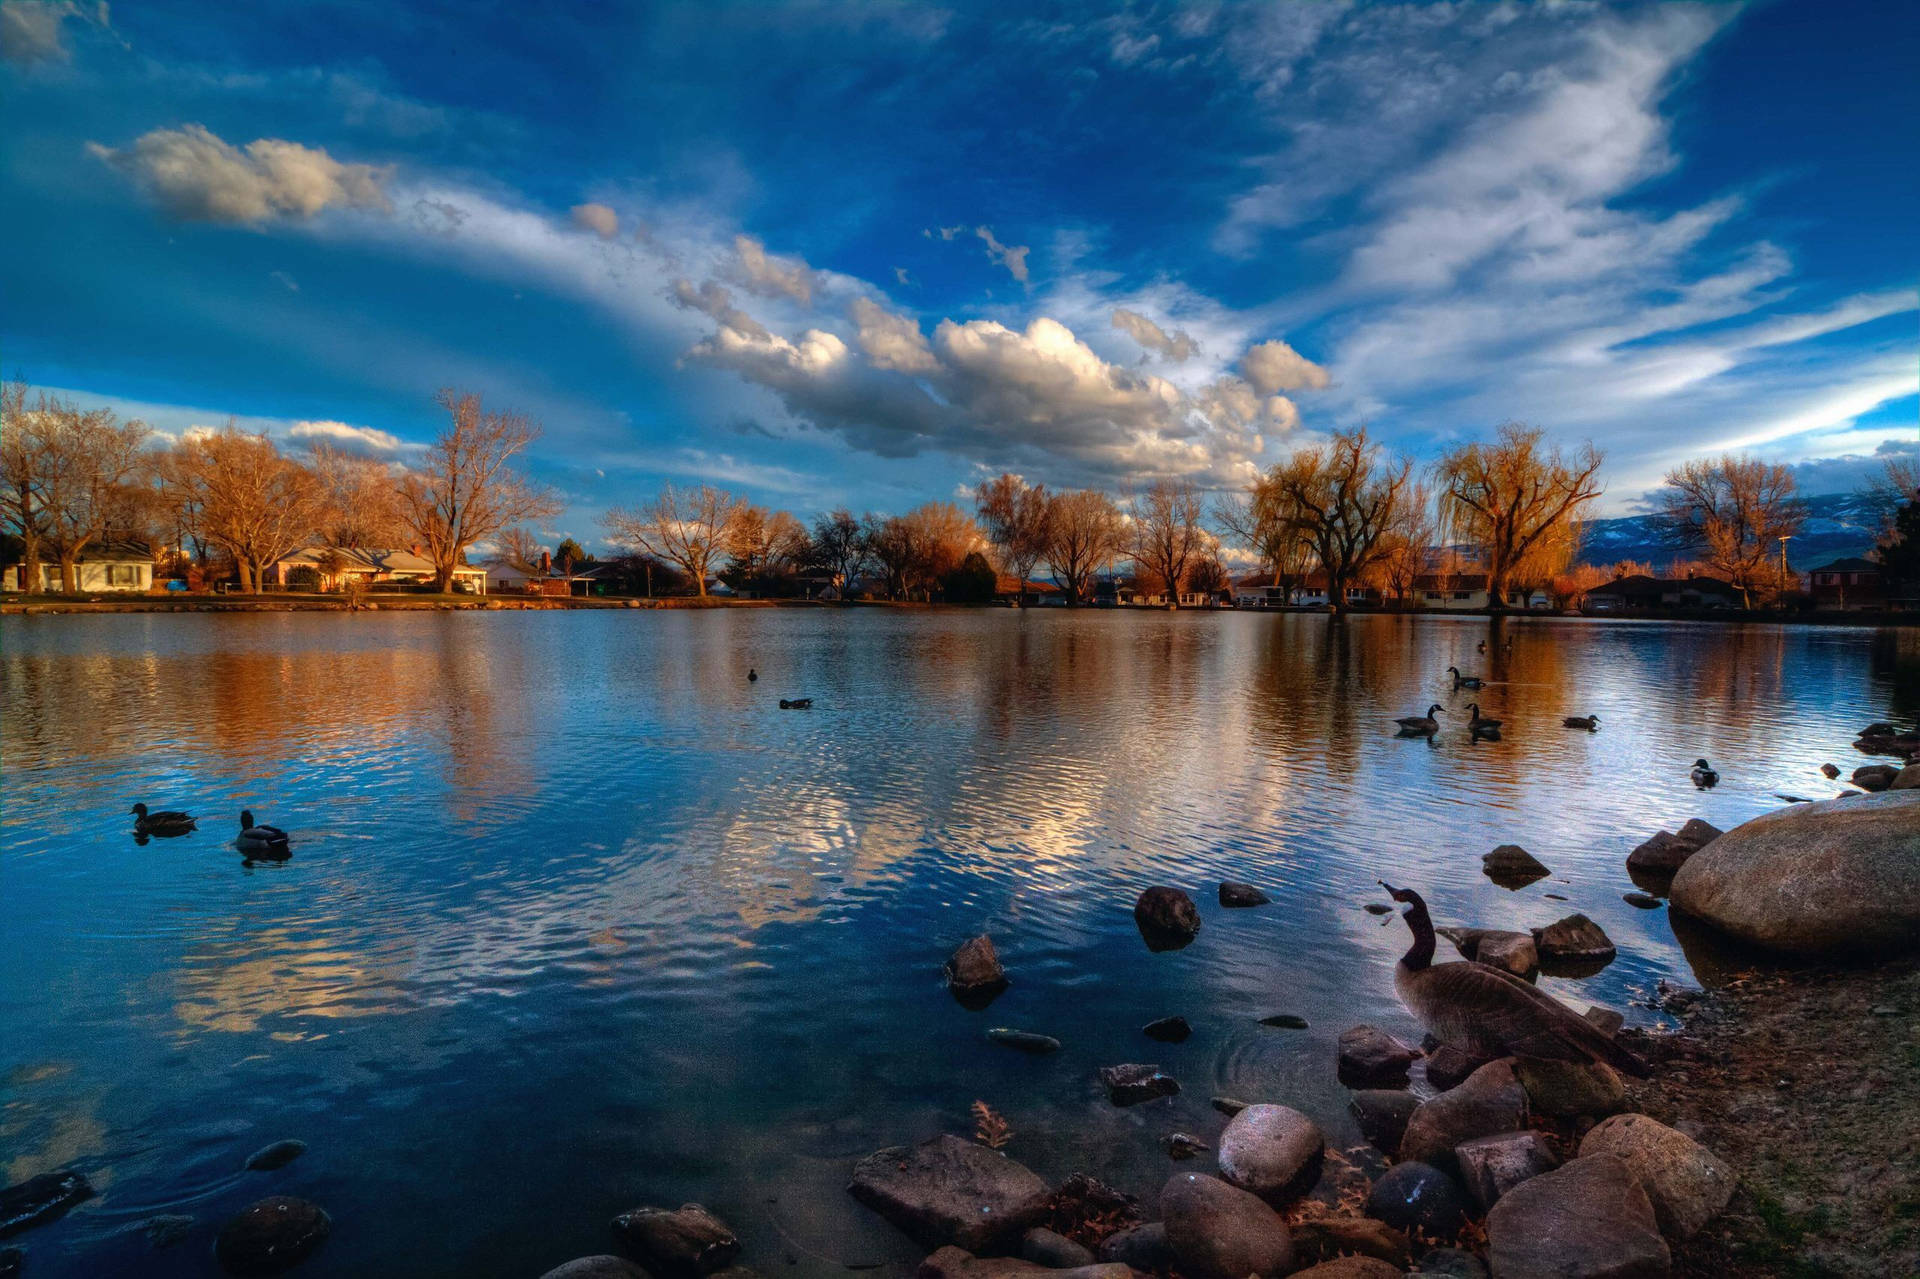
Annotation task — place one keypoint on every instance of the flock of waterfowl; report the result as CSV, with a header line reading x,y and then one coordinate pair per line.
x,y
257,840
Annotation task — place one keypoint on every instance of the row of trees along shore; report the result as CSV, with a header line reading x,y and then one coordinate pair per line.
x,y
1345,512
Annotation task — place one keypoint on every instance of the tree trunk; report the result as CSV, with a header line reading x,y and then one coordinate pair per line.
x,y
30,565
1497,588
68,584
1336,592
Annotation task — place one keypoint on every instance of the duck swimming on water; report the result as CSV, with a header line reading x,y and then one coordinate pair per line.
x,y
1463,681
753,676
1588,722
1480,725
258,839
1703,775
164,822
1421,725
796,704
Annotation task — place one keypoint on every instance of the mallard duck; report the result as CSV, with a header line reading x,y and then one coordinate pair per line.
x,y
1463,681
753,676
1480,724
1421,724
255,838
1703,775
796,704
1588,722
1489,1012
167,822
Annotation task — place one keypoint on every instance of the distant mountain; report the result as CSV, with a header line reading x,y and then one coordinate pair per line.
x,y
1838,525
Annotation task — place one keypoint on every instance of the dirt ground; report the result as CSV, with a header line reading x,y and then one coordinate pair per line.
x,y
1808,1083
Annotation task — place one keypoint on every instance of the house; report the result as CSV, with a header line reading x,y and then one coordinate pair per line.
x,y
333,567
1313,593
1451,592
1846,585
1030,593
545,579
117,566
1256,590
1638,593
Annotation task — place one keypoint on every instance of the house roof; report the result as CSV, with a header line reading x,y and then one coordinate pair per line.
x,y
1003,584
106,551
1851,564
367,560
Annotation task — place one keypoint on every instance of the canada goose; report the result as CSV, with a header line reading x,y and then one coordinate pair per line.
x,y
1588,722
753,676
1703,775
1422,725
1480,723
1489,1012
796,704
258,838
168,822
1463,681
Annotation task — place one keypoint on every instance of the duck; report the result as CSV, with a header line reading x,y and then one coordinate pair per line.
x,y
257,838
1480,725
1703,775
753,676
1483,646
166,822
1463,681
1489,1012
1424,725
796,704
1588,722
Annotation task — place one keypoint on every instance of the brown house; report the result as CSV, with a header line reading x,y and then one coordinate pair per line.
x,y
1849,584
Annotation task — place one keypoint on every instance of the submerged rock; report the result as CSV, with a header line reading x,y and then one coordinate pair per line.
x,y
1055,1251
1451,1263
1229,1106
687,1241
1353,1267
1382,1114
1274,1151
1587,1220
271,1236
1371,1058
1183,1145
950,1191
1512,866
1688,1184
167,1229
1143,1247
1491,1166
1285,1021
957,1263
278,1155
1234,894
1135,1082
1168,1030
974,974
601,1267
1218,1231
1318,1239
1166,917
1490,1101
1829,771
1025,1040
1418,1197
1641,901
40,1199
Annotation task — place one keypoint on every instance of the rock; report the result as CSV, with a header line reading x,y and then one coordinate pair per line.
x,y
1451,1263
1083,1199
1371,1058
601,1267
947,1190
1352,1268
1135,1082
1382,1114
1043,1247
1514,952
11,1259
1449,1066
1829,771
41,1199
1587,1220
1875,777
1413,1196
1664,853
1183,1145
974,974
1142,1247
1568,1089
1229,1106
957,1263
1575,940
1285,1021
1643,901
1491,1166
1274,1151
1319,1239
1377,908
271,1235
167,1229
685,1241
1607,1020
1512,866
1235,895
1168,1030
1490,1101
1217,1231
1907,778
278,1155
1688,1184
1167,918
1828,878
1025,1040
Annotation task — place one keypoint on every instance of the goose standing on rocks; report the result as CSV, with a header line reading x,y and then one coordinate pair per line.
x,y
165,822
1480,725
1421,725
258,839
1588,722
1703,775
1463,681
1487,1011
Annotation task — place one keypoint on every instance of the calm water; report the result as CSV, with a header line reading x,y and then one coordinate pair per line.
x,y
577,920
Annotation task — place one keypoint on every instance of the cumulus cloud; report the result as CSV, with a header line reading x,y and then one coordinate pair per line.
x,y
1012,257
196,176
597,218
353,439
770,275
1275,366
1175,346
892,342
716,301
30,30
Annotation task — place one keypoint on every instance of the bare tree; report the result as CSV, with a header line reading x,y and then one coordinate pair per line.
x,y
361,504
22,477
251,501
1167,535
465,489
518,548
1015,515
765,547
1734,511
1896,484
1510,496
72,476
1085,533
1342,499
840,545
688,528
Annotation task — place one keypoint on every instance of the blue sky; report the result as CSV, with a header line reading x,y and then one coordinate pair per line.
x,y
866,254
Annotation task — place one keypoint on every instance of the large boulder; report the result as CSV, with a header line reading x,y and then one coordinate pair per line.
x,y
1371,1058
686,1242
1217,1231
1586,1220
1167,918
1837,876
1274,1151
271,1235
1418,1198
949,1191
1688,1184
1490,1101
1875,777
1491,1166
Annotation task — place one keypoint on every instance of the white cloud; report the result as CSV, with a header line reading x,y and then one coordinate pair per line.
x,y
1175,346
716,301
769,275
196,176
1012,257
357,439
1275,366
30,29
891,342
597,218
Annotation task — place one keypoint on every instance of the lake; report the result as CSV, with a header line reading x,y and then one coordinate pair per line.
x,y
577,919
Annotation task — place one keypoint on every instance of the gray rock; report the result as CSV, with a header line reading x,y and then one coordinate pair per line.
x,y
1134,1082
1451,1263
1371,1058
278,1155
1490,1101
1587,1220
271,1235
1829,771
1574,938
1834,877
946,1190
1668,850
1217,1231
1143,1247
1512,866
1606,1019
601,1267
1688,1184
1168,1030
1167,918
1382,1114
1318,1239
1234,894
1497,948
1055,1251
1418,1197
687,1241
1274,1151
1568,1089
40,1199
1907,778
1491,1166
974,974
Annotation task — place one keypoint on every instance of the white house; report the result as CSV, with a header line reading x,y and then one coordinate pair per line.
x,y
120,567
371,566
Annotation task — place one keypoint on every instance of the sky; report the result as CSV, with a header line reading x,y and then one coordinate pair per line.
x,y
870,254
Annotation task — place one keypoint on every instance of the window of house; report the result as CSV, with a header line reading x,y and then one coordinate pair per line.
x,y
1461,595
123,575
